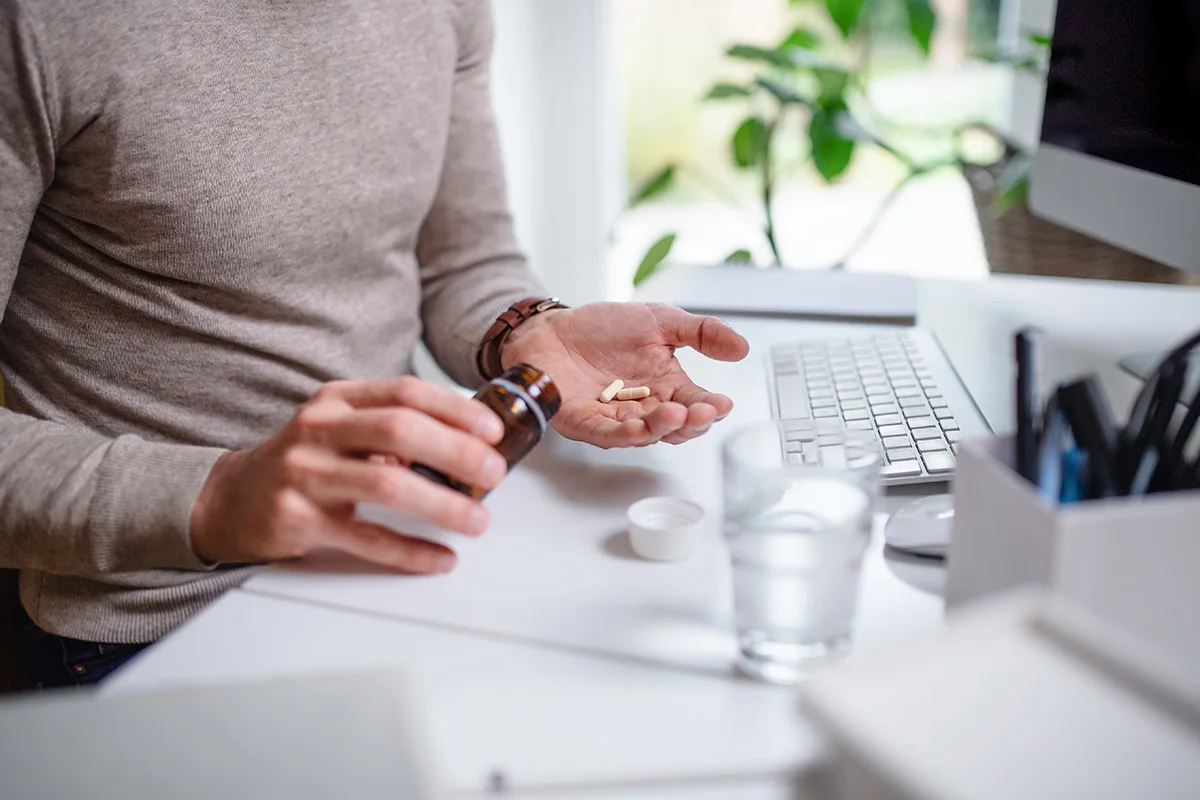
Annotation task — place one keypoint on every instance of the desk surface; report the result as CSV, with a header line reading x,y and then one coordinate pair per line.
x,y
547,719
578,590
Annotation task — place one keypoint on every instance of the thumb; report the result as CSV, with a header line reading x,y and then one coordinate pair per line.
x,y
710,336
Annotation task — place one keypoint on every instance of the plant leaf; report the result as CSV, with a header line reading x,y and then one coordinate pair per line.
x,y
845,14
739,257
783,93
1040,39
801,39
654,257
1012,187
831,150
720,91
833,86
749,52
750,142
921,22
658,184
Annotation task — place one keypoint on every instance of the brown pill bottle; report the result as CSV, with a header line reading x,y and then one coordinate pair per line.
x,y
525,399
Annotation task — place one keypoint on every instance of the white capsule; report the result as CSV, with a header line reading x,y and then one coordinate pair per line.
x,y
611,392
634,393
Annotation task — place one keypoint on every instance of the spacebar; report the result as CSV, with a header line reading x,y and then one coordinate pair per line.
x,y
793,397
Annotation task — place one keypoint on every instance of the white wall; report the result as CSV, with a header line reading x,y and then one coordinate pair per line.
x,y
554,93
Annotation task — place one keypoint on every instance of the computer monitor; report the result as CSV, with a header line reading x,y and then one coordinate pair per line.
x,y
1120,153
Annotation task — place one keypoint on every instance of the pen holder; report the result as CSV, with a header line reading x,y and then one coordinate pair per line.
x,y
1132,561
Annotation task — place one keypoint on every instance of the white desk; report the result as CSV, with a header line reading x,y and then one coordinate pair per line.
x,y
540,600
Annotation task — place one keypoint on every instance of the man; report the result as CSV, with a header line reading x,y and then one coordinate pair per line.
x,y
223,227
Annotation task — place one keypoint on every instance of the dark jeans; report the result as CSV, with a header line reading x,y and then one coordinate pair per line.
x,y
57,661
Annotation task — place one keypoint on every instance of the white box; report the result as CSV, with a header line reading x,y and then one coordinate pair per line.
x,y
1134,562
1023,696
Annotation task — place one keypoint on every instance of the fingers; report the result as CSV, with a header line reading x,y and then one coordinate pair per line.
x,y
336,482
707,335
387,548
435,401
691,395
417,438
580,420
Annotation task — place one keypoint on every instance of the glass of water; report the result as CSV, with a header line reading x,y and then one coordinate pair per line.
x,y
799,499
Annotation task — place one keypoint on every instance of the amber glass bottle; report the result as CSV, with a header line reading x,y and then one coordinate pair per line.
x,y
525,399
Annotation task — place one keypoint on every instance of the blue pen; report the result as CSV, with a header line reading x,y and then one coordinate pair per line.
x,y
1072,476
1055,441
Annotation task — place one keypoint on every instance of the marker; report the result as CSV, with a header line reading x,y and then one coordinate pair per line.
x,y
1029,368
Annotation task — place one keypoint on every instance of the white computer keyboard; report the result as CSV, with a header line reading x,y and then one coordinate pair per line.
x,y
889,383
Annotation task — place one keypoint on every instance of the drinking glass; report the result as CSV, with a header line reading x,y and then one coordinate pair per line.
x,y
799,499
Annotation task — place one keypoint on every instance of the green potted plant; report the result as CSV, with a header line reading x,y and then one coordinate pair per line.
x,y
814,83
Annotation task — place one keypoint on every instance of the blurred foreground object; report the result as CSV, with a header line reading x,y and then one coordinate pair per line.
x,y
1023,697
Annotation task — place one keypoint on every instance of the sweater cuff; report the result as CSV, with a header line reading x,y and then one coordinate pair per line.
x,y
140,516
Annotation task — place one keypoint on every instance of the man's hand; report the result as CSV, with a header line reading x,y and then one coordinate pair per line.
x,y
584,349
352,443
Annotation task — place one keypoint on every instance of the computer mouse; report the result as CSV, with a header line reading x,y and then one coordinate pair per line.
x,y
922,527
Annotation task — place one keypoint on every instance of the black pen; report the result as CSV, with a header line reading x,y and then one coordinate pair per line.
x,y
1144,456
1029,368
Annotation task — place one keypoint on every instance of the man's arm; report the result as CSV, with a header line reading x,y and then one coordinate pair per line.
x,y
72,502
471,267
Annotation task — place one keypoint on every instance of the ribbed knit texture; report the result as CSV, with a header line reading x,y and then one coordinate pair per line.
x,y
208,209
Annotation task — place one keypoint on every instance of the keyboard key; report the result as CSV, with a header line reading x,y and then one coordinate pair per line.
x,y
792,402
845,386
928,384
912,402
795,458
949,425
922,422
939,462
852,405
793,447
926,433
954,437
877,396
901,454
815,393
817,383
943,413
931,445
859,424
933,394
893,430
901,469
915,411
892,442
834,457
875,383
937,402
904,383
855,413
885,408
825,413
888,419
812,458
823,402
853,394
911,391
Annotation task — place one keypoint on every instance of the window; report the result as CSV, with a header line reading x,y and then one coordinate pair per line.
x,y
670,52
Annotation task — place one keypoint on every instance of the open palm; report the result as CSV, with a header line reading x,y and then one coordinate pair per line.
x,y
584,349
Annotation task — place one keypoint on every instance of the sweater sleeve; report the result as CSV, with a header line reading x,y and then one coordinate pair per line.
x,y
471,267
73,502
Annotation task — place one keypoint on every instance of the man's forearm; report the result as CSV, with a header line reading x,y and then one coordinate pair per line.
x,y
75,503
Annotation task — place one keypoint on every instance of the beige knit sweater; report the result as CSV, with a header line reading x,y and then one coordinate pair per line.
x,y
207,209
